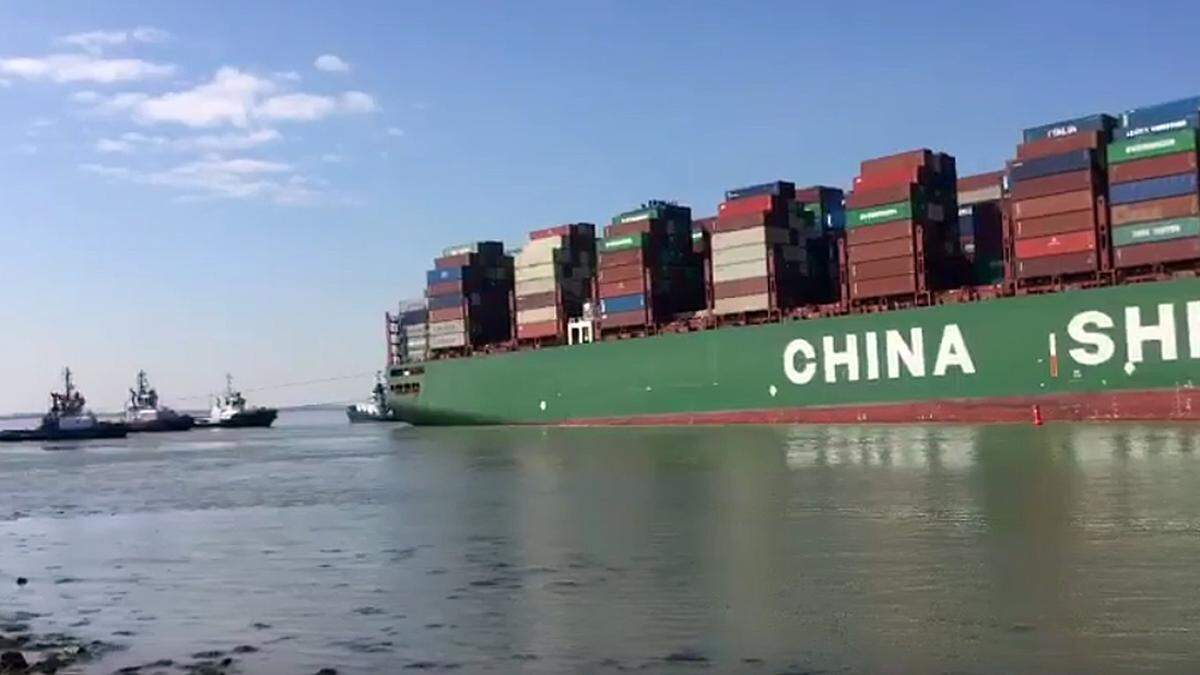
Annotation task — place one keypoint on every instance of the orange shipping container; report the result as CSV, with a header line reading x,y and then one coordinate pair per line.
x,y
1156,209
1057,244
1055,224
881,251
533,331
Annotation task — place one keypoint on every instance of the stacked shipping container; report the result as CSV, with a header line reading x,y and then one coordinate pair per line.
x,y
900,226
649,270
554,274
470,297
982,203
759,261
823,211
412,332
1153,189
1059,216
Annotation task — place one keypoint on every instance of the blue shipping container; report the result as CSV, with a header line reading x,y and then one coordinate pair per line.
x,y
446,274
622,303
1153,188
1140,117
1099,122
781,188
1165,125
445,301
1029,169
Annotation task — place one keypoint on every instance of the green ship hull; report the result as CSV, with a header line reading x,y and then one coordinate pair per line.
x,y
1122,352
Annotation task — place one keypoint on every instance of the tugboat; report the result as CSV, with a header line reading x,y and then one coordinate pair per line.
x,y
230,411
376,409
143,414
68,420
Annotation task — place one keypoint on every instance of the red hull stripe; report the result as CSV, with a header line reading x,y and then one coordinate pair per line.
x,y
1153,405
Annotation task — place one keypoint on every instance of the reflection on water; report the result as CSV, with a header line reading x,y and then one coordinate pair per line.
x,y
988,549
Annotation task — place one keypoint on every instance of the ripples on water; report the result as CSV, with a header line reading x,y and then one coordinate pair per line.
x,y
992,549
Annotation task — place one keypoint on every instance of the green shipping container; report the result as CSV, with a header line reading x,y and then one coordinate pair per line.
x,y
623,243
876,215
638,214
1159,230
1152,146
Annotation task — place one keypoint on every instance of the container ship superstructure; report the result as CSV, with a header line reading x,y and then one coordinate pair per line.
x,y
1067,281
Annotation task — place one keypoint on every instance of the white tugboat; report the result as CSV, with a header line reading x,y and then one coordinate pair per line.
x,y
144,414
376,409
68,420
230,410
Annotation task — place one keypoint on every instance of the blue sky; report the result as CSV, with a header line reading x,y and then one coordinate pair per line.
x,y
190,188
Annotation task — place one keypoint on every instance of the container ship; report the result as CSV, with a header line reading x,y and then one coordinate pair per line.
x,y
1063,285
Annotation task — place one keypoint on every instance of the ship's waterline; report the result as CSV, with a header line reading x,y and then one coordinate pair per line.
x,y
1125,352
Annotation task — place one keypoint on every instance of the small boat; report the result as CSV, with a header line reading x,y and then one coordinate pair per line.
x,y
230,411
375,410
68,420
144,415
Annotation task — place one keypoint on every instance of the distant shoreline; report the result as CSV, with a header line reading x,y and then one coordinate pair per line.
x,y
293,408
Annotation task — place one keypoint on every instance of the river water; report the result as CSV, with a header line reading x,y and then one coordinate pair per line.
x,y
373,548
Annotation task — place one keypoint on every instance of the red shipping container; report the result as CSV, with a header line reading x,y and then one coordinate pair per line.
x,y
888,179
631,256
883,250
1176,250
890,267
910,159
1156,209
980,181
1056,244
1056,184
616,289
534,331
748,205
444,288
1058,223
1063,203
749,220
586,229
741,287
1060,145
1153,167
900,229
1055,265
620,273
460,260
446,314
882,288
537,301
861,199
632,227
635,318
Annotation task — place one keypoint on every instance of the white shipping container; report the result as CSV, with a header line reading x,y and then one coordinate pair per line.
x,y
739,254
546,270
753,235
987,194
539,257
446,327
448,340
745,303
415,329
534,286
537,315
544,244
745,270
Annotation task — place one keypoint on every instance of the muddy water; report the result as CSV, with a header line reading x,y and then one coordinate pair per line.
x,y
374,548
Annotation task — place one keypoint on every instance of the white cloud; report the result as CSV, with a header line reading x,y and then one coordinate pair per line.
x,y
228,98
357,102
41,122
395,131
4,84
120,103
109,145
226,142
97,41
331,63
63,68
215,177
296,107
85,96
236,98
287,75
